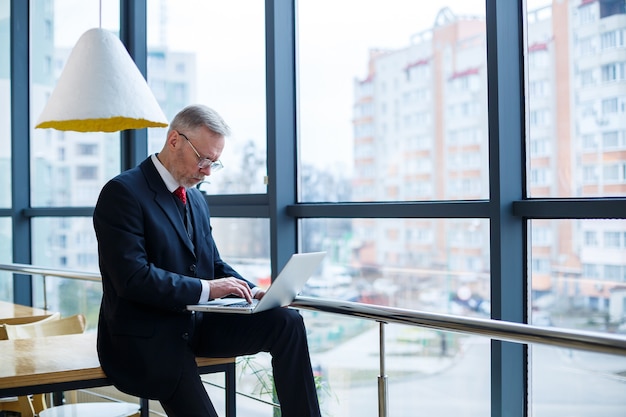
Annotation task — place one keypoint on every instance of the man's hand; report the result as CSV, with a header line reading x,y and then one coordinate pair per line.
x,y
222,287
259,294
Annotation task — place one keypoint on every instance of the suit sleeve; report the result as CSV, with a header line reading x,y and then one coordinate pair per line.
x,y
124,229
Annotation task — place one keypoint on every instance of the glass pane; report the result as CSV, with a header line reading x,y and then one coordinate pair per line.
x,y
66,243
578,281
6,256
5,103
219,62
567,382
67,168
422,366
395,108
577,99
70,243
245,245
578,274
434,265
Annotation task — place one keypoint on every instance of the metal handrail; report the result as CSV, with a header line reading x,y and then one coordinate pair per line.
x,y
63,273
496,329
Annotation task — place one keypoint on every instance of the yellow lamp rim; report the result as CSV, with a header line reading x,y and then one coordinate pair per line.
x,y
110,124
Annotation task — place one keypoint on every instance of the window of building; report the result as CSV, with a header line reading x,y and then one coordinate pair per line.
x,y
591,271
590,174
87,149
610,140
612,72
609,105
539,117
538,59
86,172
541,265
589,142
540,147
613,272
590,238
587,13
586,46
613,173
608,40
612,239
587,78
539,88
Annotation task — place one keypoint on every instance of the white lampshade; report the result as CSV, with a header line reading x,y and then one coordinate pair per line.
x,y
101,90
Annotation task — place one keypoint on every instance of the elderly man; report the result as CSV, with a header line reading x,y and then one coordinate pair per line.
x,y
157,255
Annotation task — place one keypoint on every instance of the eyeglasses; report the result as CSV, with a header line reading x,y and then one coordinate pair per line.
x,y
204,162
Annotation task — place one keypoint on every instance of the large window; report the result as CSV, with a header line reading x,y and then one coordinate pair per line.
x,y
580,112
577,266
439,265
395,107
67,243
578,277
244,243
404,145
213,53
60,176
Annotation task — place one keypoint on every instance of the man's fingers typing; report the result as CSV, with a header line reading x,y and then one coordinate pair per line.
x,y
223,287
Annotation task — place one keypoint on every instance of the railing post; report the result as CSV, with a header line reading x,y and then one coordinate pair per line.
x,y
382,377
45,293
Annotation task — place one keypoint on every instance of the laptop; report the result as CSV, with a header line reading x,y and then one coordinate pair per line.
x,y
281,293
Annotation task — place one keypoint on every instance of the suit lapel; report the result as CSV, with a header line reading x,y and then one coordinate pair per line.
x,y
199,214
163,198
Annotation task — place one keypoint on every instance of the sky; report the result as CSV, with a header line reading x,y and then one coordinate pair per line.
x,y
228,37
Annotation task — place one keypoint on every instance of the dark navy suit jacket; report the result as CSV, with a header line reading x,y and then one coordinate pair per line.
x,y
150,269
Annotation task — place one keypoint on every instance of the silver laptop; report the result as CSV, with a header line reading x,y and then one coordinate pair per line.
x,y
281,293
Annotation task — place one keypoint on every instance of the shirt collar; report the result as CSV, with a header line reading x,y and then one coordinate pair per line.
x,y
168,179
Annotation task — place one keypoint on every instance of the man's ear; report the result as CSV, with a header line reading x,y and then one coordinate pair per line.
x,y
173,139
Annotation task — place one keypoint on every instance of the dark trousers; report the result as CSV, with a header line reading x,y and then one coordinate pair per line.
x,y
279,331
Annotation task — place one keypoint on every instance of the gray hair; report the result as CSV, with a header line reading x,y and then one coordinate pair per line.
x,y
199,115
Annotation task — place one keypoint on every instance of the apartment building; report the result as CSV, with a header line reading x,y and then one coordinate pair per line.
x,y
420,133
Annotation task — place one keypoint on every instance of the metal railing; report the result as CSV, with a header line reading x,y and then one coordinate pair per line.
x,y
495,329
63,273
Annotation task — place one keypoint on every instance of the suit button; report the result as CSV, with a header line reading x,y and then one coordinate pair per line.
x,y
185,336
192,268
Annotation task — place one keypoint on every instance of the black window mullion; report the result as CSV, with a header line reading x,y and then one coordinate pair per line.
x,y
571,208
20,145
281,128
506,109
133,34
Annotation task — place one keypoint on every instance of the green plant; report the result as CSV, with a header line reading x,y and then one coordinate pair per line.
x,y
250,366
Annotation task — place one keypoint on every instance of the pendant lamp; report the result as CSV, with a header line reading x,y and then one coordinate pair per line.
x,y
101,90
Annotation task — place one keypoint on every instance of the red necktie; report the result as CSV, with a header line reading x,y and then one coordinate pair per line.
x,y
181,193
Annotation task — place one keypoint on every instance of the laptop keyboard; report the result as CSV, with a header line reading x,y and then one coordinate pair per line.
x,y
240,305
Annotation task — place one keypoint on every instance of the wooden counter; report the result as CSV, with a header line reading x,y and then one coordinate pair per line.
x,y
18,314
60,363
